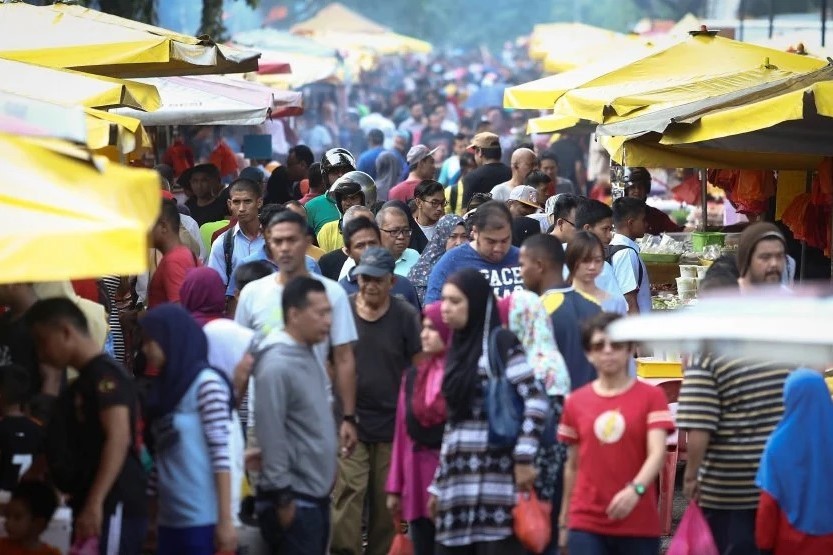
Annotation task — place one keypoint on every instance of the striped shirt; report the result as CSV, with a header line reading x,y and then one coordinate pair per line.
x,y
740,402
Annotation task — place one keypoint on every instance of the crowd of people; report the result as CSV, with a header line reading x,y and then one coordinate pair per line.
x,y
316,348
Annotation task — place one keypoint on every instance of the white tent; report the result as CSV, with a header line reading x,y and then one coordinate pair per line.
x,y
215,100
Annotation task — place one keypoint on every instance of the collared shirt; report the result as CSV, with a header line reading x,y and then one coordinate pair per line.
x,y
626,264
242,247
262,256
403,265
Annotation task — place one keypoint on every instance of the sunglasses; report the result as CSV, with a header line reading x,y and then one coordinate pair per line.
x,y
599,346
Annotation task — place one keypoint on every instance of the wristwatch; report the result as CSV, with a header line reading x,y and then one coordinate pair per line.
x,y
351,418
638,488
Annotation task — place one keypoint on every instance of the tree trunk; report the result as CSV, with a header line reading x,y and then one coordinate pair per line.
x,y
212,20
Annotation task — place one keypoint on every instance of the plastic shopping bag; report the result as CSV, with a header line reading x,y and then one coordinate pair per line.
x,y
533,527
88,546
693,537
401,544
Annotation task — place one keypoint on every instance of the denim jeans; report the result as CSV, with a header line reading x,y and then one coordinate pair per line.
x,y
588,543
307,535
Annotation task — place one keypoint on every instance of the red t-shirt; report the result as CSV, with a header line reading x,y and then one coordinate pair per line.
x,y
611,434
774,532
404,191
167,280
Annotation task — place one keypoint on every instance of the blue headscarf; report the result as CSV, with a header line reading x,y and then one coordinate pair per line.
x,y
797,457
186,355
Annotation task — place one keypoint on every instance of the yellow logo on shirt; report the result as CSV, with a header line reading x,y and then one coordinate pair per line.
x,y
106,386
609,427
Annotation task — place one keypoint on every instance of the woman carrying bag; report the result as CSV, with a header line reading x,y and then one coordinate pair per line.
x,y
420,419
476,484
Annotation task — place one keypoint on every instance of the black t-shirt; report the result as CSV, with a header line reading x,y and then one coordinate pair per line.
x,y
214,211
568,309
484,178
17,346
332,263
433,139
523,227
21,439
103,384
568,153
383,351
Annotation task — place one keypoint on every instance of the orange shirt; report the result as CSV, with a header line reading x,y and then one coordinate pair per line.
x,y
11,547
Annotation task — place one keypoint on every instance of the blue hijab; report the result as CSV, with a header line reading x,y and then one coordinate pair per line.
x,y
796,461
186,355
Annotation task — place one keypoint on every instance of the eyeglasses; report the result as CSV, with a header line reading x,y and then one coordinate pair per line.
x,y
435,203
568,221
599,346
406,232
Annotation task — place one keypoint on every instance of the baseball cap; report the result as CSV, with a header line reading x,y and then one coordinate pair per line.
x,y
485,140
375,262
525,194
419,153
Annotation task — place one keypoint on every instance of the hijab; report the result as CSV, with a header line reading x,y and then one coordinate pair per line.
x,y
529,321
418,238
388,171
186,355
203,294
462,379
796,460
419,274
431,412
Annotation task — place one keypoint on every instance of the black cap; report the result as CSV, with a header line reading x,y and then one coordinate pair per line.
x,y
375,262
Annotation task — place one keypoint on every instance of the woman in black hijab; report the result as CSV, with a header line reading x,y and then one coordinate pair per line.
x,y
467,519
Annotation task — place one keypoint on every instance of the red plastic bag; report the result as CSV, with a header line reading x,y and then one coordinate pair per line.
x,y
401,545
88,546
532,522
693,537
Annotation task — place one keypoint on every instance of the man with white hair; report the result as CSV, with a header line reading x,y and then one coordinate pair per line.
x,y
523,162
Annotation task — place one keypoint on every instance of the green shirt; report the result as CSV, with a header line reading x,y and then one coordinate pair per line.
x,y
321,210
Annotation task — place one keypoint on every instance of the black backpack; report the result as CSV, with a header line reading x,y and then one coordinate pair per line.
x,y
431,437
228,250
613,249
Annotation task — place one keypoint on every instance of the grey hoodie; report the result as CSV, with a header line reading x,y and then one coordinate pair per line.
x,y
295,426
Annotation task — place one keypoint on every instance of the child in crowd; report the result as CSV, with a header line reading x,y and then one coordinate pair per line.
x,y
27,516
21,438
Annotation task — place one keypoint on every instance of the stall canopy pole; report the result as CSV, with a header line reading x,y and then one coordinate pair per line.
x,y
704,202
823,22
771,17
808,184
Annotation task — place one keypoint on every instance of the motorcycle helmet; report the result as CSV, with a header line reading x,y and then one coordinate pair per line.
x,y
336,158
352,183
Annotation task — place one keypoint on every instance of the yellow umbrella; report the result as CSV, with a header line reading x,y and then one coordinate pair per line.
x,y
541,94
784,127
615,45
83,39
72,88
105,129
67,215
377,43
701,67
560,38
337,17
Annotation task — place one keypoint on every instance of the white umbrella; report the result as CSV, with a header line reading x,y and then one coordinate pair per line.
x,y
215,100
769,325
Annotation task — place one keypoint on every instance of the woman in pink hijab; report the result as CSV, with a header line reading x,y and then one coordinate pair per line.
x,y
418,433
